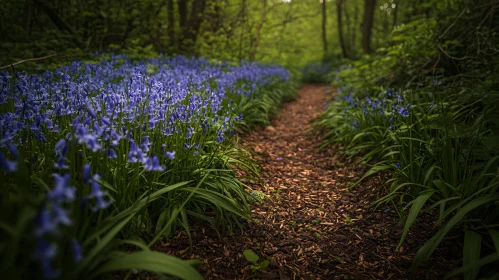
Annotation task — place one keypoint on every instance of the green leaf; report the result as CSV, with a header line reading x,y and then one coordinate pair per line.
x,y
417,205
494,234
471,253
430,246
251,256
151,261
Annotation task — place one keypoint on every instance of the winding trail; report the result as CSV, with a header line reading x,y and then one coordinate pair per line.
x,y
313,227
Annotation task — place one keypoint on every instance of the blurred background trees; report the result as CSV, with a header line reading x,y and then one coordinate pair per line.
x,y
287,32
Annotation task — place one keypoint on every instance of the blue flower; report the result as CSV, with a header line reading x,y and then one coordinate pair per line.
x,y
77,251
61,147
105,121
403,112
170,155
60,216
135,154
91,111
7,165
190,131
62,192
152,164
44,253
111,154
398,164
97,194
44,223
144,144
431,106
60,164
86,173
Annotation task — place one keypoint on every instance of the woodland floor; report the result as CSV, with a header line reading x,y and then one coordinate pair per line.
x,y
313,227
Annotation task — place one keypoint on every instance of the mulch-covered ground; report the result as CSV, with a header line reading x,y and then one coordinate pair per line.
x,y
312,226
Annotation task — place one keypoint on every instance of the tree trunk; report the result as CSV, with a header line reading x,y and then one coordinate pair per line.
x,y
348,23
340,28
369,6
59,22
395,12
241,37
182,10
324,33
354,28
257,31
191,29
171,25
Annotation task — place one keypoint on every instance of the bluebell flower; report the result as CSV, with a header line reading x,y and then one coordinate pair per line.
x,y
170,155
7,165
86,173
97,194
62,192
77,251
152,164
135,154
398,164
45,223
60,164
220,137
60,215
105,121
91,111
189,133
403,112
144,144
111,154
44,253
61,147
431,106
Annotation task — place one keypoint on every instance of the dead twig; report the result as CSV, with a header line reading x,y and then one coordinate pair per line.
x,y
452,57
35,59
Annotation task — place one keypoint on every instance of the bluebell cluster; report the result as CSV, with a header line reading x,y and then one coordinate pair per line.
x,y
119,109
390,106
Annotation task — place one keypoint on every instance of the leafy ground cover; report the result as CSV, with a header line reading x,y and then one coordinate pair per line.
x,y
101,158
429,120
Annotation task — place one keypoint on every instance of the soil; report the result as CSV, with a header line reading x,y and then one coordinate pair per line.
x,y
312,225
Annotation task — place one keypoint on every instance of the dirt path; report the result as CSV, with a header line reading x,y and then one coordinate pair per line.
x,y
313,227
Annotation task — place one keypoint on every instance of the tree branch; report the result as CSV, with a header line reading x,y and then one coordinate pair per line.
x,y
35,59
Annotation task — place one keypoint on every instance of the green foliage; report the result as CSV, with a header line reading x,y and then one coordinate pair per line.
x,y
427,113
253,258
316,73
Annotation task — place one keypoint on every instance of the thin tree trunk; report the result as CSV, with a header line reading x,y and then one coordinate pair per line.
x,y
58,21
369,6
324,33
257,31
348,23
285,22
354,28
182,10
340,28
191,29
395,12
241,37
171,25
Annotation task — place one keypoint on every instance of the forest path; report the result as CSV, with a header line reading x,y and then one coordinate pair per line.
x,y
312,227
